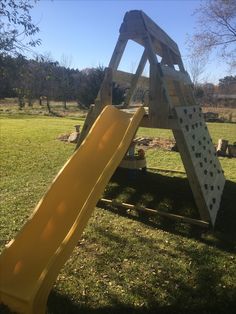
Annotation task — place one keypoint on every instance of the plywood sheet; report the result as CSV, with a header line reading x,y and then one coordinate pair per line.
x,y
200,160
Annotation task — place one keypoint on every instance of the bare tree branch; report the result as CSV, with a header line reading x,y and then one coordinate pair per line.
x,y
16,26
215,30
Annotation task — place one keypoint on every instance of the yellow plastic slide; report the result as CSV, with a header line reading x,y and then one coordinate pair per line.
x,y
31,262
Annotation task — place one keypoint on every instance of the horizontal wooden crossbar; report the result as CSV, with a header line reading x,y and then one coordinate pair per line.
x,y
166,170
150,211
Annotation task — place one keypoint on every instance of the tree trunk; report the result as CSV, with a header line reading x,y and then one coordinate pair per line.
x,y
21,102
64,104
48,105
30,103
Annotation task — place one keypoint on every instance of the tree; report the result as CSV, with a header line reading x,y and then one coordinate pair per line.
x,y
227,85
216,30
15,25
196,68
89,84
50,80
8,70
65,78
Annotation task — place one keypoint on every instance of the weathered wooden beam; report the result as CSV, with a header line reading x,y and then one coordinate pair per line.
x,y
180,93
160,35
171,74
103,99
166,170
136,24
150,211
125,79
86,127
180,64
118,52
171,123
135,78
159,100
167,58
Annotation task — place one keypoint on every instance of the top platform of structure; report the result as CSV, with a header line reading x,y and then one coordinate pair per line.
x,y
167,72
137,24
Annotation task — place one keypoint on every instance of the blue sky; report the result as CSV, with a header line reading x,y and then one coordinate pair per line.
x,y
86,31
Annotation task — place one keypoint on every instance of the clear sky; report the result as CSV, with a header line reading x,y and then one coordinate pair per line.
x,y
86,31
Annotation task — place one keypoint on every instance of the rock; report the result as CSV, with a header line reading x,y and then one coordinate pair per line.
x,y
222,147
174,148
73,138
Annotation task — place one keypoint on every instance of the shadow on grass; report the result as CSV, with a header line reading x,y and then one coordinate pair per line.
x,y
60,304
197,289
174,195
200,292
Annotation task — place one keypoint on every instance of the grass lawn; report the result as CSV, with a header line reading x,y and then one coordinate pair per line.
x,y
125,263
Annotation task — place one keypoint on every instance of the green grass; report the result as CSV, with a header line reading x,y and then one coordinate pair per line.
x,y
125,263
171,160
9,107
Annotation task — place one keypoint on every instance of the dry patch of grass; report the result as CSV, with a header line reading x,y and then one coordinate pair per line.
x,y
228,114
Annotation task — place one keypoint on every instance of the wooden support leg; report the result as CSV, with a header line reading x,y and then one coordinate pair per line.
x,y
103,99
135,78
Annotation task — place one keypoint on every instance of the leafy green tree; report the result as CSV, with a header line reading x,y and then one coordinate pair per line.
x,y
227,85
44,79
89,84
8,70
118,94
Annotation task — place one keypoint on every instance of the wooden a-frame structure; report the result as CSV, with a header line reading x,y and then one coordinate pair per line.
x,y
171,105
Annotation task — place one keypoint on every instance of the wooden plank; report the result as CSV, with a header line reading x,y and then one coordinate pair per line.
x,y
86,127
118,52
180,93
135,78
157,103
165,170
188,91
167,58
136,24
159,34
199,158
171,74
125,79
133,23
104,97
158,95
170,123
151,211
191,174
175,101
180,64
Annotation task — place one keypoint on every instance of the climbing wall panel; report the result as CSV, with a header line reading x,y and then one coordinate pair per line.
x,y
200,161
